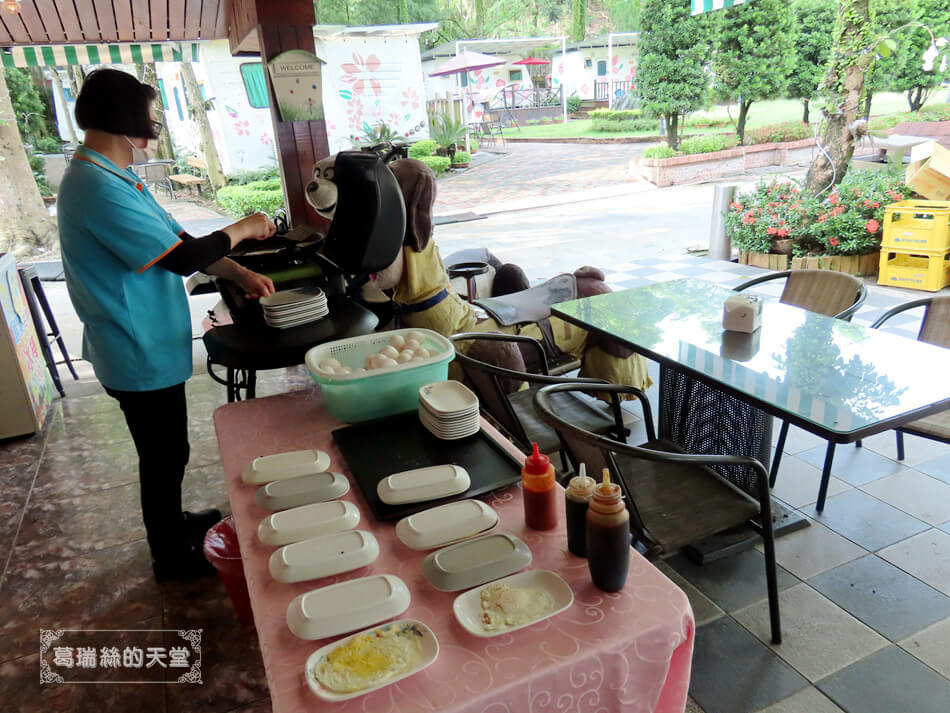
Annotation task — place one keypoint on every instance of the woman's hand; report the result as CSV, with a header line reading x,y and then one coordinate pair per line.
x,y
255,285
257,226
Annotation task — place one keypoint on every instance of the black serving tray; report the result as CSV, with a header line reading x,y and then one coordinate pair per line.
x,y
377,449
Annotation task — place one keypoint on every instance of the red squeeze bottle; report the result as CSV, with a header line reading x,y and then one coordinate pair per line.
x,y
540,495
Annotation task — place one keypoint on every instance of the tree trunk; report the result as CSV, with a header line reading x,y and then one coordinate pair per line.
x,y
844,85
58,85
867,104
805,113
672,130
740,122
165,149
479,17
917,97
25,226
198,113
76,78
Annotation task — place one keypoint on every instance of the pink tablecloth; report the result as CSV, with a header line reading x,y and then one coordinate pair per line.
x,y
626,652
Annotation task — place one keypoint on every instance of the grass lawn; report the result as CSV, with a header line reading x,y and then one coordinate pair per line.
x,y
761,113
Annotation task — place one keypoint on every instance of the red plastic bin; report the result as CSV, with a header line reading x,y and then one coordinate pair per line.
x,y
223,551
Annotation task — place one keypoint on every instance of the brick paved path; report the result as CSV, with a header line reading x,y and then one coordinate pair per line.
x,y
537,170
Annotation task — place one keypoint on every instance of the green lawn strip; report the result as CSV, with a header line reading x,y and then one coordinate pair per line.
x,y
762,113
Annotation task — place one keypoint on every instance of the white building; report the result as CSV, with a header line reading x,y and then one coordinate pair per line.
x,y
592,68
371,75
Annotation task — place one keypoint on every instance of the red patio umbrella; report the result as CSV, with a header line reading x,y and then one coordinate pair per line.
x,y
532,61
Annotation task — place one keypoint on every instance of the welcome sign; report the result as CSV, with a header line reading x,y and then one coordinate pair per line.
x,y
297,80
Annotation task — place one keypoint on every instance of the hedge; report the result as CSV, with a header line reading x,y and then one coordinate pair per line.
x,y
240,201
777,133
626,125
462,157
661,151
438,164
706,144
423,148
615,114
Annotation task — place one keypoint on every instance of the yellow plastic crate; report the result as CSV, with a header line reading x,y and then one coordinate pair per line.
x,y
920,271
917,225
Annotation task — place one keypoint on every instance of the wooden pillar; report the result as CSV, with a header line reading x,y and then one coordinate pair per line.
x,y
282,26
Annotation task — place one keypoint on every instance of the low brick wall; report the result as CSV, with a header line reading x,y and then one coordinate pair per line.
x,y
709,166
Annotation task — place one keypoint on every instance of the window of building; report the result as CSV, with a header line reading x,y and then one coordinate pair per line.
x,y
588,63
255,84
161,91
201,91
464,76
601,67
514,75
181,115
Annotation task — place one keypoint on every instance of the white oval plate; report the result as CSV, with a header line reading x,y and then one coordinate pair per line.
x,y
468,606
430,652
350,605
445,524
448,398
282,466
421,484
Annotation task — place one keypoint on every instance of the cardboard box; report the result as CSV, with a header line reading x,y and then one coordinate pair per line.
x,y
929,171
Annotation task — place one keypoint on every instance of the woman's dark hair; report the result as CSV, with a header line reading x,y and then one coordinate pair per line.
x,y
116,102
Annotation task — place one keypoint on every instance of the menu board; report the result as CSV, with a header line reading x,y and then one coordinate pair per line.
x,y
24,408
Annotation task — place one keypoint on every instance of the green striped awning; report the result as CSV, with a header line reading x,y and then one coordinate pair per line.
x,y
701,6
120,53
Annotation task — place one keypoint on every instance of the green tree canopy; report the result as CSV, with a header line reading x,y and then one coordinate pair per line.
x,y
27,104
888,16
906,72
754,54
815,18
671,75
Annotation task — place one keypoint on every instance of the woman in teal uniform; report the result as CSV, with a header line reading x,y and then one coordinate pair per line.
x,y
124,258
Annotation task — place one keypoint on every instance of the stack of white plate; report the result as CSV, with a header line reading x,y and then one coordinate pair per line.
x,y
449,410
291,308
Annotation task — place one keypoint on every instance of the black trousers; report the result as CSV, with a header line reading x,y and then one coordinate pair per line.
x,y
158,422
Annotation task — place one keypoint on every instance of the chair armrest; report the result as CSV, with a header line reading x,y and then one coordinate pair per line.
x,y
848,313
763,278
496,337
900,308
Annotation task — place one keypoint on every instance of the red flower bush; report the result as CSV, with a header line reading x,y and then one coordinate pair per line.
x,y
846,221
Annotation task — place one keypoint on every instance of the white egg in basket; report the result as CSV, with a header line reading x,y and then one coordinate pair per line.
x,y
389,351
378,385
397,341
413,344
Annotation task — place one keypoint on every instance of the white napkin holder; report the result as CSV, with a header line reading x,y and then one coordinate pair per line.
x,y
742,313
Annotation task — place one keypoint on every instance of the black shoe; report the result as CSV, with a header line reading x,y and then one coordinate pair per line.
x,y
189,564
198,523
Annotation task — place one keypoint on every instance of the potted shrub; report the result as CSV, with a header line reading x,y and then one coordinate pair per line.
x,y
461,159
840,230
447,131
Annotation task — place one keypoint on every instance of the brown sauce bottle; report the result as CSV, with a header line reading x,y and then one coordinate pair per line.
x,y
576,501
608,537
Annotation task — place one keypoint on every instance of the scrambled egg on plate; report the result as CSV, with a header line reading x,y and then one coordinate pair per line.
x,y
504,606
370,659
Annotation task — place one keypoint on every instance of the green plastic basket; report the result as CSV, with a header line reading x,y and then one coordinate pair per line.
x,y
365,396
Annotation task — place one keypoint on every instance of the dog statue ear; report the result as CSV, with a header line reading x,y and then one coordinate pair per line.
x,y
417,182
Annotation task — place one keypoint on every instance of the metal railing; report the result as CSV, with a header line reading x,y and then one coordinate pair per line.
x,y
602,89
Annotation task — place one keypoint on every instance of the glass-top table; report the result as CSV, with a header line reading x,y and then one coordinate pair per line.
x,y
839,380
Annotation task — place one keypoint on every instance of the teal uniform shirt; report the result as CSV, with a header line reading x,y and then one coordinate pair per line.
x,y
112,231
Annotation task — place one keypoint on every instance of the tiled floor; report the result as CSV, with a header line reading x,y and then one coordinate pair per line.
x,y
865,590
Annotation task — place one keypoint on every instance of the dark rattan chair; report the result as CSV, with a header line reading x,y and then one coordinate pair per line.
x,y
833,294
935,329
499,396
674,498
